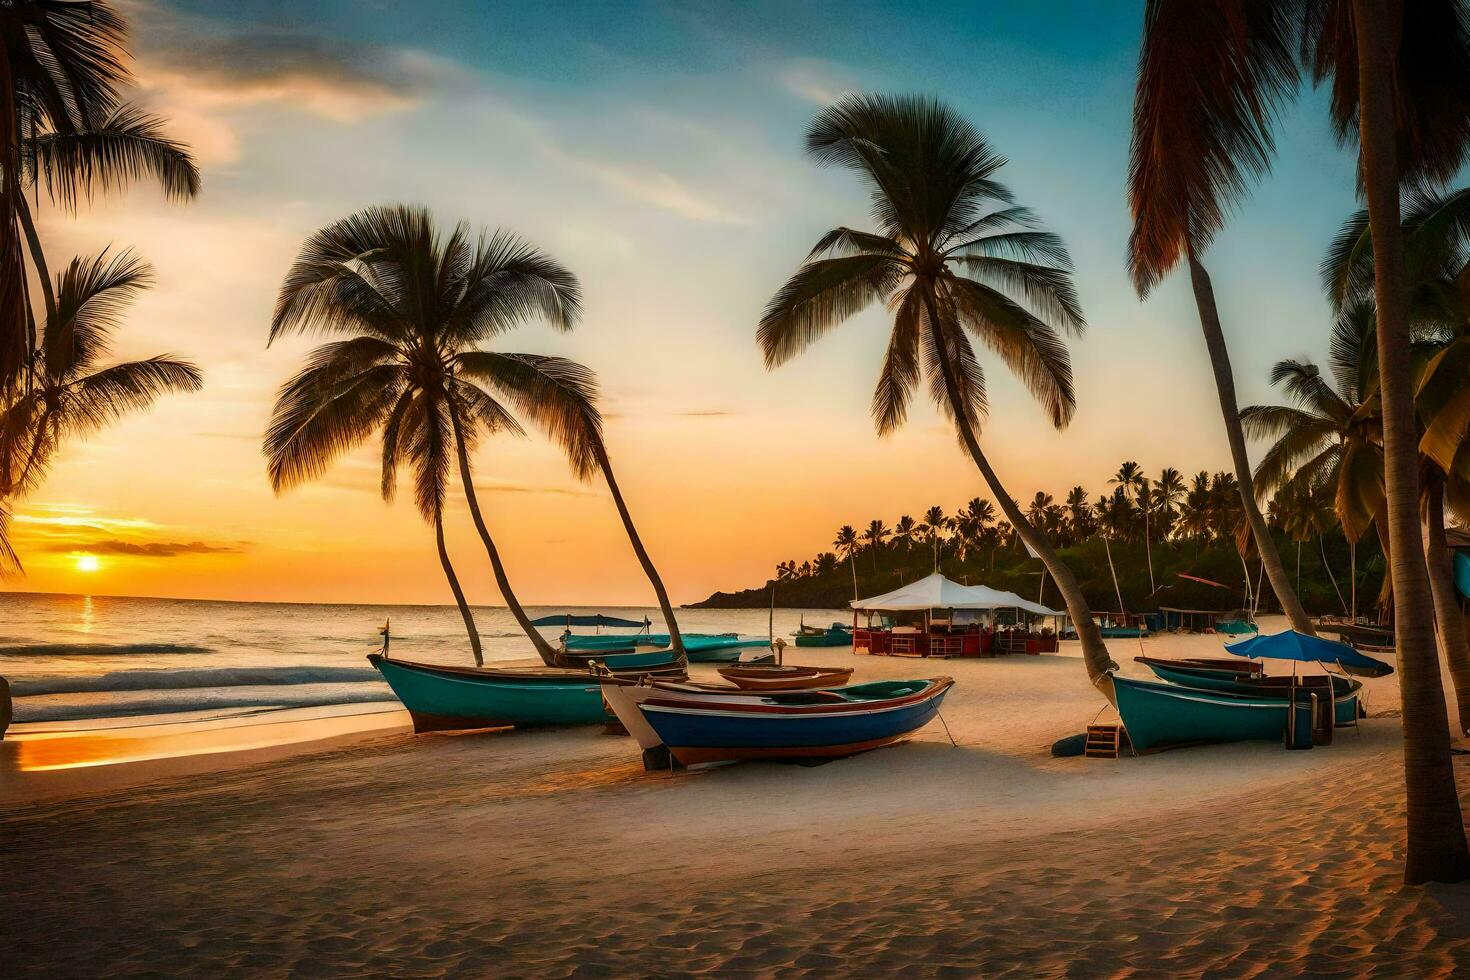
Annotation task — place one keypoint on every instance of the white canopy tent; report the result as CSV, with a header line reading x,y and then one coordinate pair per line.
x,y
937,592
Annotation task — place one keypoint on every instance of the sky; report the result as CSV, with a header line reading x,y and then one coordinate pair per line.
x,y
655,149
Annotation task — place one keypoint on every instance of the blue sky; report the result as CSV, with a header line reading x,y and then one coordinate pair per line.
x,y
656,149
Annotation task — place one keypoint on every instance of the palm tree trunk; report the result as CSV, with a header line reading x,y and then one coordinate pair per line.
x,y
1353,569
1447,616
1209,318
1436,833
675,639
1298,567
1322,549
1148,549
459,600
852,560
544,650
1094,651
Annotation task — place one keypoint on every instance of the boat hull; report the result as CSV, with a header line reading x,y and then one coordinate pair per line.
x,y
1344,692
831,638
701,733
1159,716
790,677
445,699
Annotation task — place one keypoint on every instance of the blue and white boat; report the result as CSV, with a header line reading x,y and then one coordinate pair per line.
x,y
700,727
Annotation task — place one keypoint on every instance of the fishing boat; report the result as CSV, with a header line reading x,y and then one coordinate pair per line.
x,y
788,677
444,698
836,635
1227,667
1345,690
687,726
1160,716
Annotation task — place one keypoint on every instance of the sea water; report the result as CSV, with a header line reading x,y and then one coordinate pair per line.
x,y
98,662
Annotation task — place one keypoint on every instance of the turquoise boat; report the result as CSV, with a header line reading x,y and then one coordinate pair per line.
x,y
702,648
440,698
1122,632
1344,689
1160,716
836,635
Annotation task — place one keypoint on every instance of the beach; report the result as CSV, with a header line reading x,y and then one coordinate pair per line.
x,y
552,853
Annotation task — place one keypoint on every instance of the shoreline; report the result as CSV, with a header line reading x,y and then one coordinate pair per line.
x,y
551,852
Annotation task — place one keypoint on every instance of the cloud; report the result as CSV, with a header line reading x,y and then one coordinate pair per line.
x,y
815,81
707,413
150,549
197,71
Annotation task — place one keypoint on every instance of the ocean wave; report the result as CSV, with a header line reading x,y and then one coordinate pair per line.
x,y
28,713
170,680
97,649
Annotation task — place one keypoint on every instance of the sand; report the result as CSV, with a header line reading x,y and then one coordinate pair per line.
x,y
553,854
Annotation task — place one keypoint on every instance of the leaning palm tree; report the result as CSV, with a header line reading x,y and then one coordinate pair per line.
x,y
69,392
416,307
954,259
1209,76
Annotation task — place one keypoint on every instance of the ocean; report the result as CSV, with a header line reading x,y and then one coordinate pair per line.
x,y
90,662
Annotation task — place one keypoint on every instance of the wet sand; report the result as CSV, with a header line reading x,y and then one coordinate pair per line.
x,y
553,854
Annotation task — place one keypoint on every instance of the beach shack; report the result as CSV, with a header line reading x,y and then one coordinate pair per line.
x,y
937,617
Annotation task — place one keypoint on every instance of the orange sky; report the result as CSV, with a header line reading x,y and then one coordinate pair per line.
x,y
679,195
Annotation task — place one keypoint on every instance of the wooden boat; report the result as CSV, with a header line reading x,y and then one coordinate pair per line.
x,y
1344,689
1122,632
699,728
441,698
1159,716
1223,666
788,677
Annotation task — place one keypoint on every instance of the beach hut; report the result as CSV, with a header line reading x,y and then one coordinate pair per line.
x,y
938,617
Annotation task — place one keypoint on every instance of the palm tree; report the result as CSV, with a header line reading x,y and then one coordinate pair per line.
x,y
63,124
933,525
1168,494
904,531
69,393
951,265
1400,88
1209,76
846,544
416,306
877,532
1080,514
1134,484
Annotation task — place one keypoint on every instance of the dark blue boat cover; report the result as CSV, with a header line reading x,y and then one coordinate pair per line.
x,y
596,619
1292,645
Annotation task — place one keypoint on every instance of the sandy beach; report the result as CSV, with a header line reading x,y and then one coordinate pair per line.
x,y
552,853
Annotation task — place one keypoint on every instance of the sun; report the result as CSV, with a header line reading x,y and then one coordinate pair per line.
x,y
88,563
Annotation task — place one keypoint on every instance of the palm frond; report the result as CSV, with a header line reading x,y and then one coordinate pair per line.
x,y
91,297
958,355
1210,79
846,241
556,394
1047,290
1431,82
323,412
1273,421
819,296
105,396
428,443
1029,346
128,145
509,282
901,372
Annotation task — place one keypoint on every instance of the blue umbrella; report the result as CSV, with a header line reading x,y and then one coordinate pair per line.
x,y
1292,645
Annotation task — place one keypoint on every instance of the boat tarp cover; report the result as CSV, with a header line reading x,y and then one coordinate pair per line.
x,y
577,619
1292,645
1462,573
937,592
